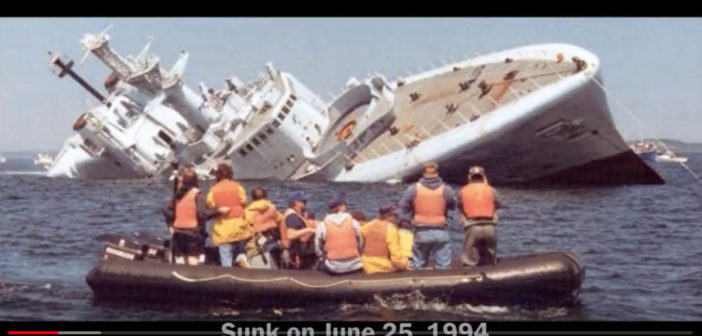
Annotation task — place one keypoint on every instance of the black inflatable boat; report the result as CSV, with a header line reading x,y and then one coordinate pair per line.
x,y
135,268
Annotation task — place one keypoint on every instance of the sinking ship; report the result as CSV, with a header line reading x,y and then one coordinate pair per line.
x,y
531,114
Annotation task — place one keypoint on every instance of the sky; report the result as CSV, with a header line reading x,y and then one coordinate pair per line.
x,y
652,65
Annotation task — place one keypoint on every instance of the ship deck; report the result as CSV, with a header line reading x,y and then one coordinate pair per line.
x,y
428,107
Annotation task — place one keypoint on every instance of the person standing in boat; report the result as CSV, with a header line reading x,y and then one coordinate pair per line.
x,y
338,241
230,232
381,249
186,217
479,203
427,203
295,232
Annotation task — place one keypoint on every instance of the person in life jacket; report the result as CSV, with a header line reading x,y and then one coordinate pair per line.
x,y
262,214
230,232
186,216
478,202
427,203
265,219
295,232
381,243
338,241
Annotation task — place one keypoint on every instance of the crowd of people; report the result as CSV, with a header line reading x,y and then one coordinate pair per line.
x,y
401,237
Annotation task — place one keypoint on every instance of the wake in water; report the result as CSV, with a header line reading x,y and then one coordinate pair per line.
x,y
443,309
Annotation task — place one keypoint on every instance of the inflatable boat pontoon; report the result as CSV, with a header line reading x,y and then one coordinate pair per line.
x,y
129,271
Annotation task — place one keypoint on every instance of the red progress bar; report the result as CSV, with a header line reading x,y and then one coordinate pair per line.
x,y
32,333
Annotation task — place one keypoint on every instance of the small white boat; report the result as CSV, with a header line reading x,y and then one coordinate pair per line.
x,y
669,156
645,150
2,159
44,160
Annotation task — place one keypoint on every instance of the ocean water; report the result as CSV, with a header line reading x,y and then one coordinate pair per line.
x,y
641,246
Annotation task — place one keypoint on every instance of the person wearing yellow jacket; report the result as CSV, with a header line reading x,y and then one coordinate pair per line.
x,y
382,251
230,232
406,237
265,219
262,214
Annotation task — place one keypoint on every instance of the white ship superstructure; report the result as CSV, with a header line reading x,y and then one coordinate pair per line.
x,y
150,119
532,113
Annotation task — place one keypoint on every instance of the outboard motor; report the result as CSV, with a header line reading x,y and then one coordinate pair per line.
x,y
140,247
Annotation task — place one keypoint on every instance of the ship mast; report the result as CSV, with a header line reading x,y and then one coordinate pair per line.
x,y
66,69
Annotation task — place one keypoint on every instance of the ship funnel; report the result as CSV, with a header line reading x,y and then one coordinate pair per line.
x,y
271,70
178,67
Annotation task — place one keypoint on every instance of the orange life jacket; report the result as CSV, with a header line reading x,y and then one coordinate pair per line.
x,y
478,201
375,239
341,240
226,194
186,211
430,205
265,219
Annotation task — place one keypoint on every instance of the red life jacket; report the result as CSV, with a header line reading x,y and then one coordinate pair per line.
x,y
375,239
478,201
341,240
430,206
186,211
226,194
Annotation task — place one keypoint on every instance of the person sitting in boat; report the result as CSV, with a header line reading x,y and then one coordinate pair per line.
x,y
479,203
262,214
230,232
186,216
295,233
265,219
381,249
338,241
427,203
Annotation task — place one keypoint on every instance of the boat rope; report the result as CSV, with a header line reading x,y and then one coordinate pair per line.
x,y
460,278
638,120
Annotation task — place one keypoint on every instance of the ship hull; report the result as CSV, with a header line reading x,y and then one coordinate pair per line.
x,y
561,133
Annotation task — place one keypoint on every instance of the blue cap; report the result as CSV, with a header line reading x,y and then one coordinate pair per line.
x,y
296,196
